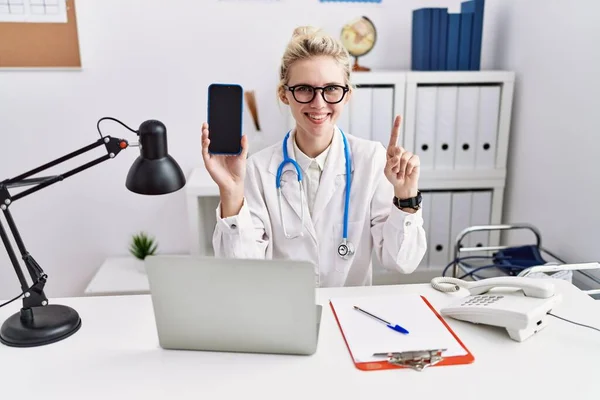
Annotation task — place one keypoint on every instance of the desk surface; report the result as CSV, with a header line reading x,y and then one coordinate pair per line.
x,y
116,355
119,276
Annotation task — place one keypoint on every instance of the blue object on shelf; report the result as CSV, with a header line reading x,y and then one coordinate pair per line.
x,y
443,46
447,42
464,41
421,40
350,1
476,8
453,38
435,38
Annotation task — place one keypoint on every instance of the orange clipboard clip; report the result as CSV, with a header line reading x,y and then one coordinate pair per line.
x,y
418,359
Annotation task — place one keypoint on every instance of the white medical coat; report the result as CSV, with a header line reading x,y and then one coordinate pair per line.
x,y
397,237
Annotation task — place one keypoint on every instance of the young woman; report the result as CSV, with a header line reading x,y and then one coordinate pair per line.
x,y
355,196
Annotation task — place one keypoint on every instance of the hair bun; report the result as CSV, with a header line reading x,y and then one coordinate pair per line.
x,y
305,31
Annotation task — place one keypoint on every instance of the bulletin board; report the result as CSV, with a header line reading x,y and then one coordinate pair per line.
x,y
41,44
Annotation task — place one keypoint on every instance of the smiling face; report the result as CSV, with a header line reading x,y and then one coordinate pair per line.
x,y
315,121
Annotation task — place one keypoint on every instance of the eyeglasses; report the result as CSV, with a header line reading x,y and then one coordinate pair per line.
x,y
332,94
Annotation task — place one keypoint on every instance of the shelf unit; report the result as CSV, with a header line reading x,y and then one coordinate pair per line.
x,y
378,97
407,87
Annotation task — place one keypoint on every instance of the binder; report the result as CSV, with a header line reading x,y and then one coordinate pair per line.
x,y
466,127
290,122
461,216
361,112
426,213
489,111
425,125
453,42
481,208
443,44
343,121
439,247
421,40
373,346
476,7
436,24
464,41
383,115
445,132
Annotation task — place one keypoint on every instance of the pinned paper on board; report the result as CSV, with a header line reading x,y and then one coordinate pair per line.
x,y
350,1
33,11
43,34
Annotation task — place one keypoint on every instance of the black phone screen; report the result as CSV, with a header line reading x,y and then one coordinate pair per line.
x,y
225,118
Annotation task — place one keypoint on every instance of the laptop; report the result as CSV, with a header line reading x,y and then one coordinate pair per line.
x,y
234,305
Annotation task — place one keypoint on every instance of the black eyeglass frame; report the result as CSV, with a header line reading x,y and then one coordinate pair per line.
x,y
345,88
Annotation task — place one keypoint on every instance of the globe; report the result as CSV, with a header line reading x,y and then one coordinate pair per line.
x,y
359,37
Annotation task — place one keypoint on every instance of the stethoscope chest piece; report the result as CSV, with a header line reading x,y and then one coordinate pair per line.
x,y
345,250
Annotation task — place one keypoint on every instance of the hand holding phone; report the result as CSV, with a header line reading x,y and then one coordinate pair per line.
x,y
225,148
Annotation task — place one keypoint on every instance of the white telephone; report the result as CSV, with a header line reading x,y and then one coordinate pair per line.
x,y
522,312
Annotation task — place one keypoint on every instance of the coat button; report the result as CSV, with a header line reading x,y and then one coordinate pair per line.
x,y
233,226
407,223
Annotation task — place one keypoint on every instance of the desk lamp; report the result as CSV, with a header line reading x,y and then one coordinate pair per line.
x,y
153,172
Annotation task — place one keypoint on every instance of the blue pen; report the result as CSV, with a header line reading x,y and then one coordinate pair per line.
x,y
396,328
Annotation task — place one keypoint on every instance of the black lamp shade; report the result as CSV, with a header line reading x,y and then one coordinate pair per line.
x,y
154,171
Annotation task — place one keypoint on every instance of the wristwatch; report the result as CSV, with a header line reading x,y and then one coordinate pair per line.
x,y
413,202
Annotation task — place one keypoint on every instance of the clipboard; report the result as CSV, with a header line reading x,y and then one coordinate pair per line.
x,y
372,346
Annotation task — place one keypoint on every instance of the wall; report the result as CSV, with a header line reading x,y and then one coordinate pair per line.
x,y
148,59
553,171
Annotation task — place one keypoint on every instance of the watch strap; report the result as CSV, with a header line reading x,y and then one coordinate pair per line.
x,y
413,202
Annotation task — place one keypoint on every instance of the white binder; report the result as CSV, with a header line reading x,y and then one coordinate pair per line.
x,y
343,121
361,112
445,132
466,127
481,210
426,212
383,115
425,125
439,254
461,216
290,121
489,110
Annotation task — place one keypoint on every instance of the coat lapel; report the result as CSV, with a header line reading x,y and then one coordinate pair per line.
x,y
290,191
333,177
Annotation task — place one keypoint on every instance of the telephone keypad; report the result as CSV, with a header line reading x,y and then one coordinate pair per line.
x,y
481,300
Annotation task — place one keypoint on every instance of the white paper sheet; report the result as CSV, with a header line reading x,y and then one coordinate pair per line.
x,y
366,335
35,11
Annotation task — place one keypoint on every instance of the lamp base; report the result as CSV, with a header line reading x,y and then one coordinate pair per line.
x,y
39,326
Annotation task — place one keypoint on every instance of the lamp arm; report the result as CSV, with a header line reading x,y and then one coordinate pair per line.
x,y
34,294
113,147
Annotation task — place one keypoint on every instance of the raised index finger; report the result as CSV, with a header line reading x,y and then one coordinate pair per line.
x,y
395,132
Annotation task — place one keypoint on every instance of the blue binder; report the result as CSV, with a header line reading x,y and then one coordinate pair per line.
x,y
464,42
453,40
476,7
435,38
421,41
443,45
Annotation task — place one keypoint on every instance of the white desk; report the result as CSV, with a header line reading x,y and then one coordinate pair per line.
x,y
116,355
119,276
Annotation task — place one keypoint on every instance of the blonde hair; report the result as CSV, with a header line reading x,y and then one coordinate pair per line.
x,y
307,42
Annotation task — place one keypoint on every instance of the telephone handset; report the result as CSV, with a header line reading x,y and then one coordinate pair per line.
x,y
522,312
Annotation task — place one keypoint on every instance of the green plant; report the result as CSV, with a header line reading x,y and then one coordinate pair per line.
x,y
142,245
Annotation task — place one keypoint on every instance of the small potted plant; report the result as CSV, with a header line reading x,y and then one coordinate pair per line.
x,y
142,246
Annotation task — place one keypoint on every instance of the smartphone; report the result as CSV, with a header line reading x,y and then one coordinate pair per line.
x,y
225,106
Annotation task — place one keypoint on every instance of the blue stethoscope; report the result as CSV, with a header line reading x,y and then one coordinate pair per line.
x,y
345,249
